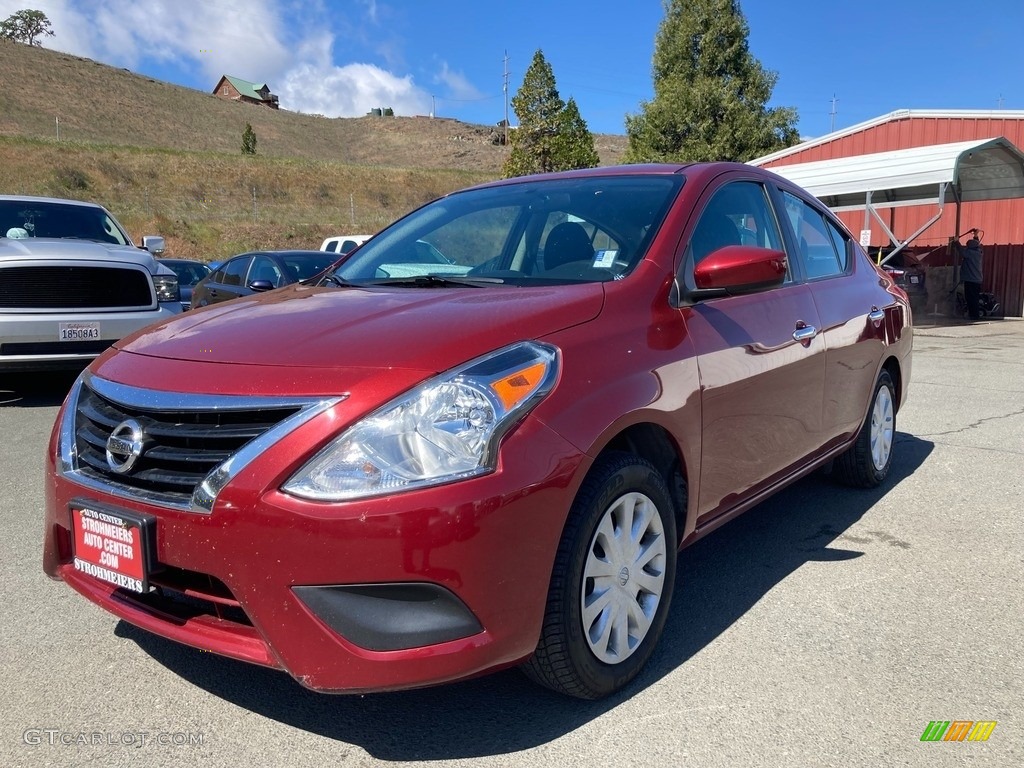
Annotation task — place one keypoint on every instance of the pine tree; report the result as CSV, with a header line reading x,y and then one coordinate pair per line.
x,y
552,135
710,92
539,108
248,140
575,141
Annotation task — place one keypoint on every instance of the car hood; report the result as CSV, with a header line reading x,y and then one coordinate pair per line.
x,y
76,250
426,329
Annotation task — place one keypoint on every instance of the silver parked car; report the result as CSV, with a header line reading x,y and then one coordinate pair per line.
x,y
72,283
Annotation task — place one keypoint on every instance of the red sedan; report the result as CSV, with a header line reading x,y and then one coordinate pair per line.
x,y
420,470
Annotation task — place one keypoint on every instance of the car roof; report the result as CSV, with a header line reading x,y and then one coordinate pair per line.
x,y
60,200
278,253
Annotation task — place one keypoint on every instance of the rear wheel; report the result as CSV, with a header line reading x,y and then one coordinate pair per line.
x,y
612,581
866,463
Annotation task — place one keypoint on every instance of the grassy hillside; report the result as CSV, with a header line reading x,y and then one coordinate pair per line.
x,y
106,105
167,160
210,205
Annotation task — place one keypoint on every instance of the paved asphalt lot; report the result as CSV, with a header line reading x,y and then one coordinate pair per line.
x,y
825,627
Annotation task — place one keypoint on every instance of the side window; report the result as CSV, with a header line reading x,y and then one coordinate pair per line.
x,y
842,244
332,246
235,270
347,246
263,268
737,214
822,247
217,276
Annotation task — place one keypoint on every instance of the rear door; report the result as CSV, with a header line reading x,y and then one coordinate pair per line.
x,y
760,358
854,310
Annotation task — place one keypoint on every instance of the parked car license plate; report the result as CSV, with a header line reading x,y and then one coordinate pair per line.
x,y
115,547
79,331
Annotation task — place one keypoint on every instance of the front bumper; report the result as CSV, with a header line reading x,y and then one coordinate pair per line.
x,y
242,577
32,341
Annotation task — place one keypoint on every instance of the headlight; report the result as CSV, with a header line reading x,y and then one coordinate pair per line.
x,y
166,288
446,429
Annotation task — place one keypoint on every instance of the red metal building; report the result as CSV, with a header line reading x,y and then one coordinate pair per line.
x,y
1001,220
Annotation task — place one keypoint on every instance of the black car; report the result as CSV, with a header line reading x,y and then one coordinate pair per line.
x,y
258,271
189,273
909,274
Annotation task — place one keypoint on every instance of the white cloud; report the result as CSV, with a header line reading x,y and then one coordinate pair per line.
x,y
258,40
459,87
350,91
237,37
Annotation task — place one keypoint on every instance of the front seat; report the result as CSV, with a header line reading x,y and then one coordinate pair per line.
x,y
714,231
567,242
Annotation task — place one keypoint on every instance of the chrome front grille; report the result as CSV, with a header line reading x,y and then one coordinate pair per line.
x,y
186,447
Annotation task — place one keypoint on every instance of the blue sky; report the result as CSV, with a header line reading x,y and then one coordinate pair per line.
x,y
343,57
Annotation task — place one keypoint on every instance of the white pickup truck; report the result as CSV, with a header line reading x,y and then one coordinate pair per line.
x,y
72,283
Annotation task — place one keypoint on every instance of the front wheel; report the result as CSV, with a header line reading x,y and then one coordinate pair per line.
x,y
612,581
866,463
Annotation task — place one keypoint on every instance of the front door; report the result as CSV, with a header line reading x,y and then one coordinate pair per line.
x,y
760,359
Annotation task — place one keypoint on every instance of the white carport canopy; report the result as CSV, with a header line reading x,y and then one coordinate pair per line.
x,y
965,171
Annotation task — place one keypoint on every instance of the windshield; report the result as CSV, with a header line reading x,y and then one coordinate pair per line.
x,y
303,266
590,229
188,272
33,218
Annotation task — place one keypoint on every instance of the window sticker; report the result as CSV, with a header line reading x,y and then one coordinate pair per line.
x,y
605,259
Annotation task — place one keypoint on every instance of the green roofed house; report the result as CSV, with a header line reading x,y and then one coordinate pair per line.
x,y
237,89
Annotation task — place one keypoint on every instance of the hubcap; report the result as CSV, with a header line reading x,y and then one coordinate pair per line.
x,y
623,578
881,429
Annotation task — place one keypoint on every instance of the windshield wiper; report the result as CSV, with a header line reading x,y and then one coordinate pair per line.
x,y
437,281
333,278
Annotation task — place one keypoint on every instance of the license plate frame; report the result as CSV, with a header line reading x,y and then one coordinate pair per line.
x,y
113,545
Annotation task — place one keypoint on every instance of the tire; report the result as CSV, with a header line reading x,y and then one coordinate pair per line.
x,y
866,463
605,614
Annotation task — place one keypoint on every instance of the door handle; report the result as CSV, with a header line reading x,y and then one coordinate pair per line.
x,y
804,333
876,315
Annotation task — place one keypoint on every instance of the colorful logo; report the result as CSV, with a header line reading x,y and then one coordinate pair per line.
x,y
958,730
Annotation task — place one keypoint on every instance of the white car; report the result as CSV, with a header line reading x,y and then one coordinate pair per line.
x,y
343,243
72,283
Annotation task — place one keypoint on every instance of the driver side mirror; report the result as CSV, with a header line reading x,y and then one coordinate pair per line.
x,y
154,244
260,285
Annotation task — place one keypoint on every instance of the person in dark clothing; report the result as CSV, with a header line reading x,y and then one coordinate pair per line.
x,y
970,273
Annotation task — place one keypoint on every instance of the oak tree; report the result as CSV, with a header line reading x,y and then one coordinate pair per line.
x,y
26,26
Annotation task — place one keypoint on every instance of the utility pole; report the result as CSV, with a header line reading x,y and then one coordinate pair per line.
x,y
433,106
58,128
999,104
833,113
505,91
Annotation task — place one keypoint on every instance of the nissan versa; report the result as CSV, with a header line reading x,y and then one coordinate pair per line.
x,y
413,470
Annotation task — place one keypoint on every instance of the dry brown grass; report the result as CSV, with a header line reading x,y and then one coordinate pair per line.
x,y
167,160
102,104
210,205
